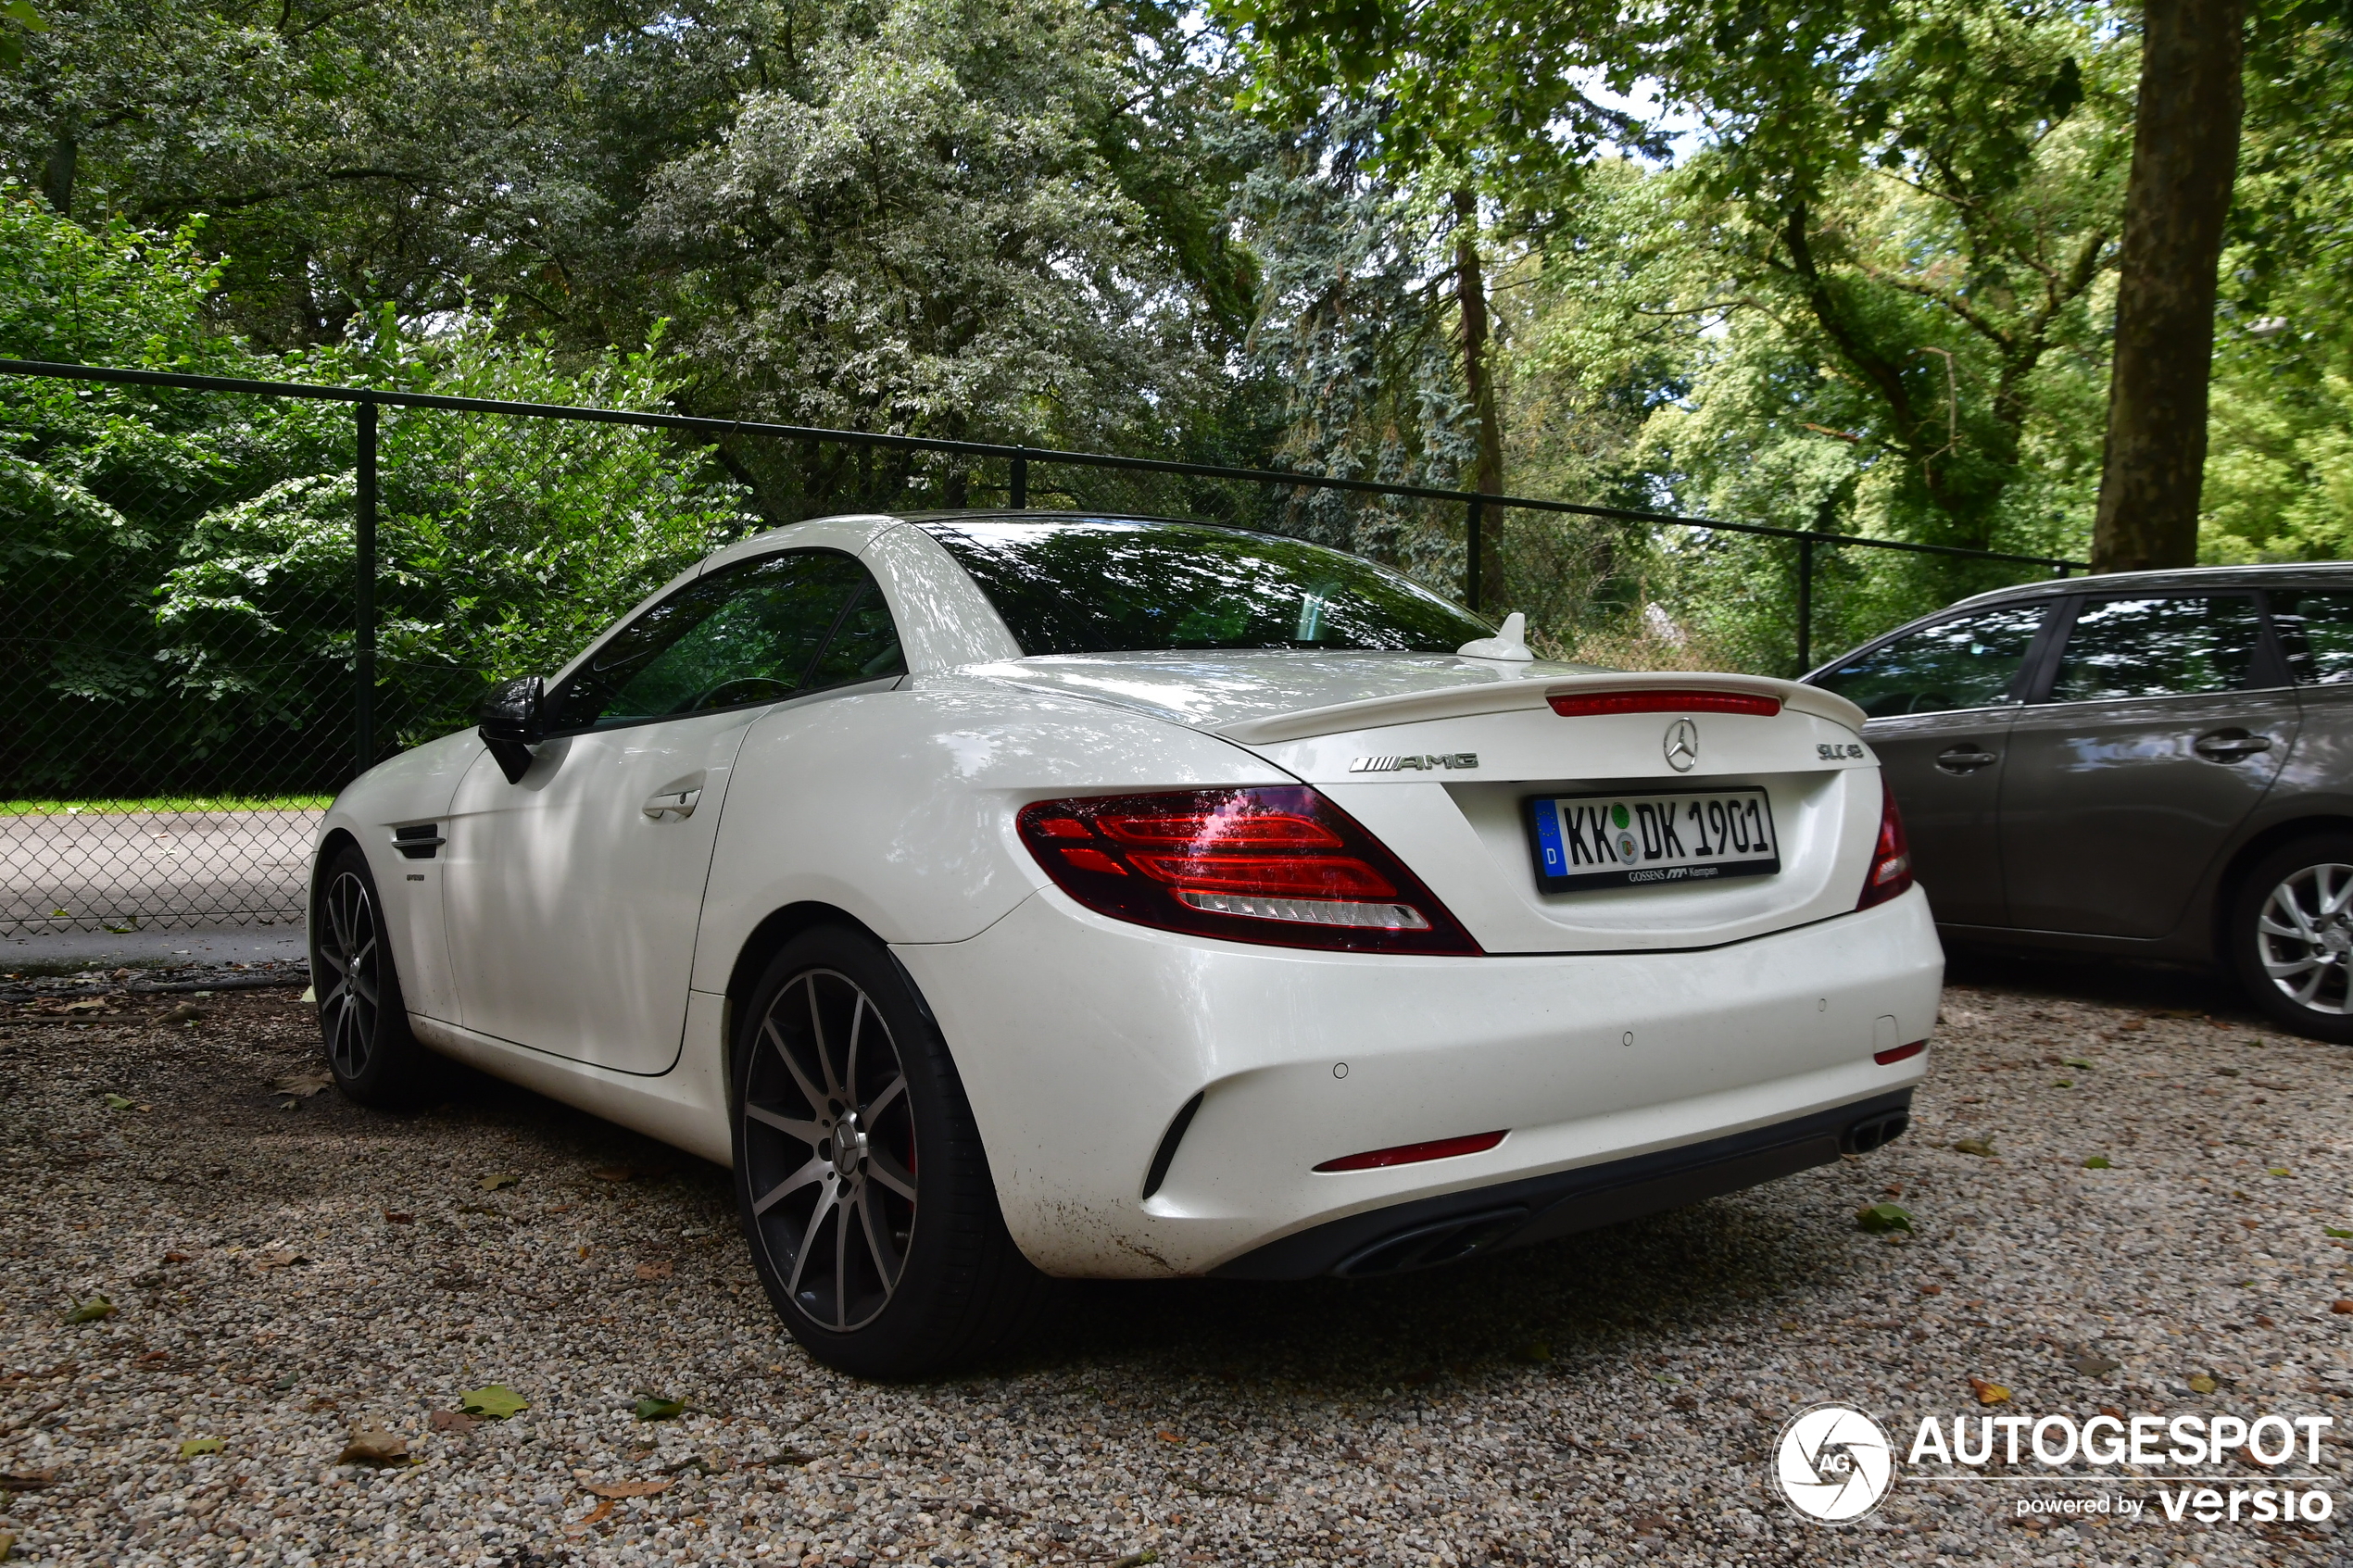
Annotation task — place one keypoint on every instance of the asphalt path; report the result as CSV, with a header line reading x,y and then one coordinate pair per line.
x,y
119,873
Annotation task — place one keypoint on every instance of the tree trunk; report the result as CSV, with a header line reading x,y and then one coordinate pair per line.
x,y
1487,474
56,172
2186,146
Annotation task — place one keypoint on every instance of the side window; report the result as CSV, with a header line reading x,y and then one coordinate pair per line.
x,y
1968,663
2173,647
752,633
2316,633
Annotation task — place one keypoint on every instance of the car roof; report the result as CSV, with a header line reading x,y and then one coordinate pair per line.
x,y
2194,579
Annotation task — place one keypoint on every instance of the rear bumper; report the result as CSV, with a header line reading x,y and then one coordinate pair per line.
x,y
1081,1039
1444,1230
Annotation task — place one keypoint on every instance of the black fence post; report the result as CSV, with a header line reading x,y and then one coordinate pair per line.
x,y
1804,606
364,591
1019,484
1470,570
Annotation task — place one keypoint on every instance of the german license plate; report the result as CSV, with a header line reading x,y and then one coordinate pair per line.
x,y
1636,839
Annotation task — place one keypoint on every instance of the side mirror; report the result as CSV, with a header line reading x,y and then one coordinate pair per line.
x,y
511,723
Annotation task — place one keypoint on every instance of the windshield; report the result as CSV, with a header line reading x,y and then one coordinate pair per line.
x,y
1107,586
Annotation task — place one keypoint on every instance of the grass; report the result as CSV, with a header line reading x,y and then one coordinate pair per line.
x,y
161,803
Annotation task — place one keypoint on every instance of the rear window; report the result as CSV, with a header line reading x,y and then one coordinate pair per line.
x,y
1106,586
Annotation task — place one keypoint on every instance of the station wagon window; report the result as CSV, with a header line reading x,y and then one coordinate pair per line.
x,y
2177,645
2316,633
758,631
1970,661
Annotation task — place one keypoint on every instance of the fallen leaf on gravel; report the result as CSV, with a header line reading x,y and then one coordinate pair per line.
x,y
302,1086
492,1184
26,1480
498,1402
269,1261
186,1012
2100,1162
2076,1061
626,1489
2202,1384
2226,1071
91,1311
455,1281
1172,1437
1988,1393
399,1218
658,1268
2062,1083
196,1445
2342,1307
183,1256
2252,1224
580,1525
372,1445
456,1422
2276,1171
2341,1236
1974,1146
2091,1365
652,1407
116,1103
1135,1559
1882,1217
613,1173
8,1544
1650,1524
788,1456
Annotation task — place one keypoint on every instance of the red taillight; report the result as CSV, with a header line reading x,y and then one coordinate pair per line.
x,y
1281,865
1415,1153
1579,704
1891,871
1894,1054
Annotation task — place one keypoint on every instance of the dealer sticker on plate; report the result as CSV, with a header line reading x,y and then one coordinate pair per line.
x,y
1671,835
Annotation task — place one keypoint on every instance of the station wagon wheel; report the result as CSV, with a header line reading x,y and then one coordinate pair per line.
x,y
363,1021
2293,935
830,1135
860,1177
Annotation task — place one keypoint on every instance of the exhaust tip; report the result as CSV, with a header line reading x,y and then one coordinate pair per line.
x,y
1876,1132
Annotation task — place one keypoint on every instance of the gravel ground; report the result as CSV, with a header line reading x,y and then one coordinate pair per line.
x,y
287,1269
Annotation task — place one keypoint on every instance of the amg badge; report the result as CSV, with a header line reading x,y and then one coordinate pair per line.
x,y
1400,764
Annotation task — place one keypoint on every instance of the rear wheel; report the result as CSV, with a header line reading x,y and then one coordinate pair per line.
x,y
2292,937
864,1188
362,1018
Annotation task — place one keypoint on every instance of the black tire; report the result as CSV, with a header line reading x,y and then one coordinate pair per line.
x,y
2293,950
928,1279
363,1021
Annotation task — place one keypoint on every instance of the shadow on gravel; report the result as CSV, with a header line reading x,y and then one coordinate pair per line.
x,y
2103,982
1584,1298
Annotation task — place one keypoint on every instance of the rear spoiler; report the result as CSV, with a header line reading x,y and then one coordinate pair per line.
x,y
1512,695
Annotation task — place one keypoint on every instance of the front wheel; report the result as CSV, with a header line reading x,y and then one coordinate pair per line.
x,y
2291,934
362,1020
864,1192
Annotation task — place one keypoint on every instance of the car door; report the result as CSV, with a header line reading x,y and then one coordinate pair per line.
x,y
2166,719
1939,703
573,894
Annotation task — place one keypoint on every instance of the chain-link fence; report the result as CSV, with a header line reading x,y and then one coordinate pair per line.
x,y
229,596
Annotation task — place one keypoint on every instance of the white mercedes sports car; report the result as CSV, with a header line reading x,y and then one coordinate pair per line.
x,y
1012,896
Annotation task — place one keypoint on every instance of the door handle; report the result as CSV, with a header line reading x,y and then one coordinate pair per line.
x,y
678,803
1966,757
2230,745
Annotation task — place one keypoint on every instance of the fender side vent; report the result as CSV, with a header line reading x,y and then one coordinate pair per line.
x,y
1166,1155
418,843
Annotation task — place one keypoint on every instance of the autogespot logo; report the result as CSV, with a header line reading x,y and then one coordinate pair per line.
x,y
1835,1463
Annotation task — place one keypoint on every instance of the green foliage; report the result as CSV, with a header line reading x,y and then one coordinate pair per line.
x,y
184,561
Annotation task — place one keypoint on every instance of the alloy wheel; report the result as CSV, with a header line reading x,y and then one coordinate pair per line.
x,y
352,951
2304,935
829,1146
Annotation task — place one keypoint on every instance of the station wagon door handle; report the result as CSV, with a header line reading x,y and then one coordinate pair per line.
x,y
1966,757
673,803
2230,745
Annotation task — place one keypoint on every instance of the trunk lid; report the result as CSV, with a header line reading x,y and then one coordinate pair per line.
x,y
1439,757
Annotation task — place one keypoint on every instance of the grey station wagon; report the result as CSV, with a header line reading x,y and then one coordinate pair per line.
x,y
2150,764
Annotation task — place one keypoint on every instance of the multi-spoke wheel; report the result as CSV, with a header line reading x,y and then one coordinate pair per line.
x,y
865,1192
2293,935
830,1150
362,1017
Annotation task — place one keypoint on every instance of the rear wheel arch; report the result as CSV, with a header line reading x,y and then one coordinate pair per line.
x,y
768,939
2243,859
